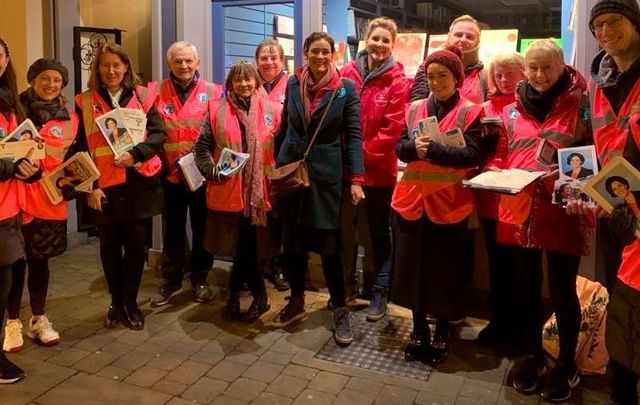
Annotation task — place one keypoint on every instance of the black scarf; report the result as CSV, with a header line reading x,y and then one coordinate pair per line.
x,y
7,101
40,111
539,105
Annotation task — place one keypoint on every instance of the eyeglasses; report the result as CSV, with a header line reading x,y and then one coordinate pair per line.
x,y
611,23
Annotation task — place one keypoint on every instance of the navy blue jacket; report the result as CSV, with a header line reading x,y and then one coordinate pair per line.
x,y
336,151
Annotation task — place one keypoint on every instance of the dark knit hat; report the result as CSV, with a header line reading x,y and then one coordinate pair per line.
x,y
451,58
627,8
43,64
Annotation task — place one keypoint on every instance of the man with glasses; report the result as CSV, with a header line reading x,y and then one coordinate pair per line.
x,y
615,102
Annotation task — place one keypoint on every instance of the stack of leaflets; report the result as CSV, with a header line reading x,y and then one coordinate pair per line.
x,y
507,181
79,172
618,183
23,142
123,128
190,172
429,127
576,166
231,162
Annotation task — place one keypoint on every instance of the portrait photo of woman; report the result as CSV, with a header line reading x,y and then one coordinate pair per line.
x,y
618,186
576,161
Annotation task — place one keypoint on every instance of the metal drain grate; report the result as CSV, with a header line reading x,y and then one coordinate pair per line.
x,y
377,346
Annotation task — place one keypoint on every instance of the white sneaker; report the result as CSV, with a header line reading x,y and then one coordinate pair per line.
x,y
43,331
13,341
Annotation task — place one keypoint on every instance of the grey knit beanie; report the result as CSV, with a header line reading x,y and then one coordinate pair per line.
x,y
627,8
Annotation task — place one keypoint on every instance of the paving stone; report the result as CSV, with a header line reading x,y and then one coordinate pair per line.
x,y
118,348
243,358
430,398
287,386
276,357
188,372
364,385
41,377
307,373
267,398
227,400
284,346
185,348
135,337
352,397
313,397
329,382
207,357
227,370
179,401
469,401
448,385
38,352
167,361
170,387
245,389
151,348
146,376
204,390
114,373
68,357
394,395
133,360
95,362
509,395
80,387
480,391
93,343
263,371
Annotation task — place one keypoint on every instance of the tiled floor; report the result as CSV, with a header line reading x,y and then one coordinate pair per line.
x,y
187,354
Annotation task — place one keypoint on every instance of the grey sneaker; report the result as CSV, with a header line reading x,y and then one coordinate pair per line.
x,y
202,293
165,293
378,304
341,329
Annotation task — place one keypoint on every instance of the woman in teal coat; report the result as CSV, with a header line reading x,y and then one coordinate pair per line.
x,y
335,166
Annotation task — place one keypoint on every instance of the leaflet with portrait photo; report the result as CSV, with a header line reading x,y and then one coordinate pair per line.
x,y
78,172
23,142
122,128
231,162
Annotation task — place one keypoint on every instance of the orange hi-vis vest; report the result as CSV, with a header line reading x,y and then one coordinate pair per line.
x,y
278,91
9,203
564,127
93,106
610,131
182,122
472,88
426,187
228,195
58,136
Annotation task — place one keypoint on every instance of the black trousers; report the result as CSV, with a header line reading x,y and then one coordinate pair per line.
x,y
5,286
246,266
502,298
624,383
122,252
333,274
608,254
562,271
37,283
177,199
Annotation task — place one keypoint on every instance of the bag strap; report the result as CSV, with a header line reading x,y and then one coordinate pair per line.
x,y
315,134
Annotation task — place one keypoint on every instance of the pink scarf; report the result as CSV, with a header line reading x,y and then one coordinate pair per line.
x,y
309,89
255,207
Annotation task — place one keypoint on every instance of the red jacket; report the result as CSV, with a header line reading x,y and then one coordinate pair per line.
x,y
529,219
9,205
383,100
58,137
278,91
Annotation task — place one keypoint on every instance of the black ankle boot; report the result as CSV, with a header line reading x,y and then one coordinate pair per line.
x,y
114,315
231,311
419,347
441,340
259,306
133,317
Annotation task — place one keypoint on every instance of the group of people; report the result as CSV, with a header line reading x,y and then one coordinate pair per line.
x,y
351,127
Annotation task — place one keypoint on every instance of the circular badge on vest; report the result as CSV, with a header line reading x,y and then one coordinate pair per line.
x,y
342,92
202,97
97,108
513,114
169,109
3,132
269,118
381,99
56,131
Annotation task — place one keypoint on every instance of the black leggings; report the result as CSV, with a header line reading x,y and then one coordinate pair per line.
x,y
333,275
624,383
562,271
122,252
37,283
246,266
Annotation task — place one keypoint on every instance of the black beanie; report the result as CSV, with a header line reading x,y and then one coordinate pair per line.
x,y
627,8
43,64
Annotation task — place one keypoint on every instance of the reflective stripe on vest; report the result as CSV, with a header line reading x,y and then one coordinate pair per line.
x,y
428,188
472,88
228,195
9,202
610,131
110,175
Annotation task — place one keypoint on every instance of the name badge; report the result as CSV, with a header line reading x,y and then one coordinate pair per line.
x,y
202,97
